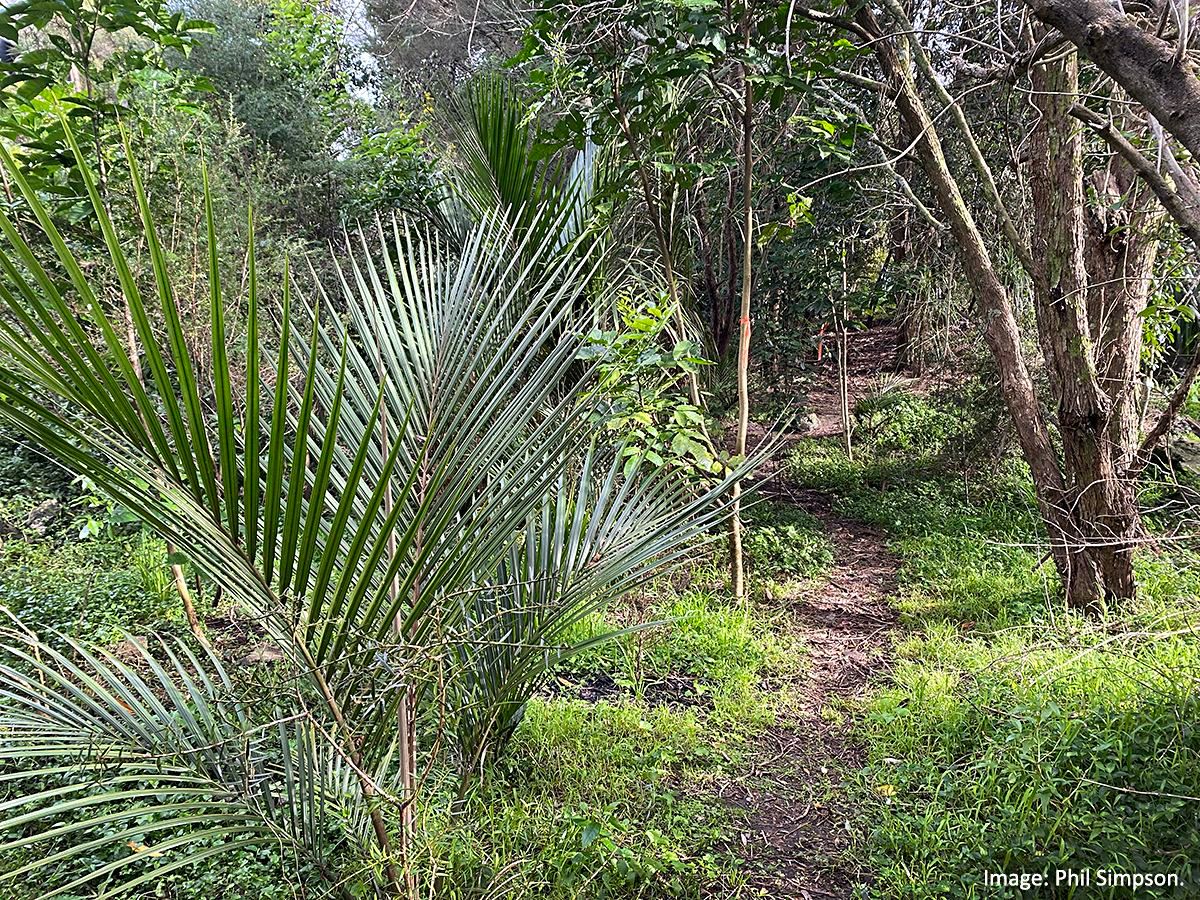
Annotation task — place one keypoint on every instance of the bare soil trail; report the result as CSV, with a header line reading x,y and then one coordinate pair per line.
x,y
800,817
871,353
801,820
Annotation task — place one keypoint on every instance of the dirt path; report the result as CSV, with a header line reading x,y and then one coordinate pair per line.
x,y
872,355
800,820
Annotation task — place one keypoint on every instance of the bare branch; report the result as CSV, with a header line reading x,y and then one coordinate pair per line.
x,y
1166,417
1019,246
1184,213
1147,66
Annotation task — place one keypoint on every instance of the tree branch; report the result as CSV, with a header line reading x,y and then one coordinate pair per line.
x,y
1017,65
1147,66
1185,214
1163,424
1019,246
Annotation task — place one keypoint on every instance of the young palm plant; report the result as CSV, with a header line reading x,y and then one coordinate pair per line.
x,y
410,496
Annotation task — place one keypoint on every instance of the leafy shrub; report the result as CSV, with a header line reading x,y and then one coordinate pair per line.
x,y
901,436
895,422
642,390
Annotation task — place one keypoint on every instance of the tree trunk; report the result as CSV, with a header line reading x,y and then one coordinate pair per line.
x,y
843,317
1085,565
743,358
1122,248
719,314
1101,505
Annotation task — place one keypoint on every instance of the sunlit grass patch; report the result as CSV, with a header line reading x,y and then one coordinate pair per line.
x,y
1039,746
728,647
782,541
594,800
699,640
1014,734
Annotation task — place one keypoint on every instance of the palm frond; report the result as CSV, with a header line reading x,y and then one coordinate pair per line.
x,y
421,482
600,531
151,746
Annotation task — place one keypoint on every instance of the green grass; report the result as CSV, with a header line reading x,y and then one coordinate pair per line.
x,y
616,799
1015,735
718,646
604,800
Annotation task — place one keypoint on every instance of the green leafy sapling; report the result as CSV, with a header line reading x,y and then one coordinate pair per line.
x,y
642,388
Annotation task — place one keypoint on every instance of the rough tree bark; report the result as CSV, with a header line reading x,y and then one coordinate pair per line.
x,y
1121,249
1162,78
1100,499
1071,543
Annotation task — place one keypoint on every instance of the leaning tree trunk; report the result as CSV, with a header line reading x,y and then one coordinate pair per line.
x,y
1087,511
1101,503
1000,325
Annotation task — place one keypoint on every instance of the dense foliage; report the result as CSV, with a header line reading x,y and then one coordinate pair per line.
x,y
631,449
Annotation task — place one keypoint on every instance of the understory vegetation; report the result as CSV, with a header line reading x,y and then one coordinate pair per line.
x,y
1014,735
609,786
623,450
1009,734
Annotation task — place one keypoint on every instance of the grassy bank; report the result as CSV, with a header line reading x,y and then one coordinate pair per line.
x,y
1014,735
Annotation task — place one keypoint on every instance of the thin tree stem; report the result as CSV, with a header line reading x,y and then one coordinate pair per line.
x,y
177,576
737,562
